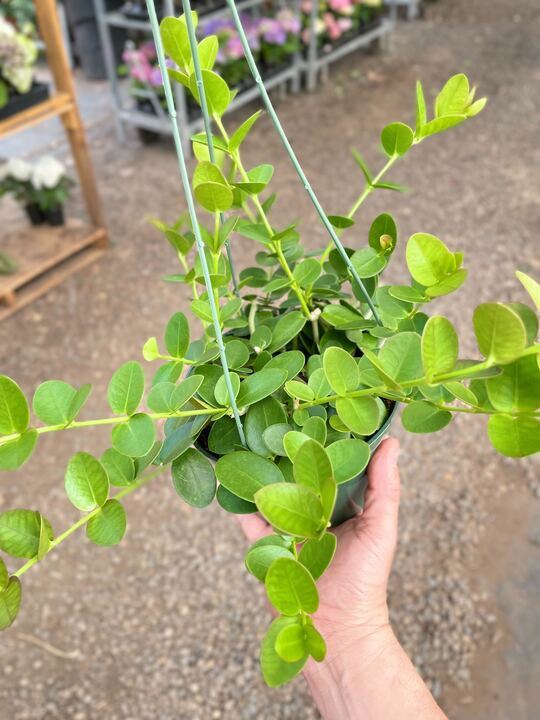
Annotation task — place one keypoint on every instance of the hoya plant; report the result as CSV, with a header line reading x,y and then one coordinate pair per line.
x,y
298,364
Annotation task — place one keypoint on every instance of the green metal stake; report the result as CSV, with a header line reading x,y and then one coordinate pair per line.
x,y
292,155
206,117
192,212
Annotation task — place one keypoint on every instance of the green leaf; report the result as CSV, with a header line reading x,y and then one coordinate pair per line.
x,y
368,262
499,331
315,644
10,602
292,442
52,402
151,457
260,557
299,390
79,399
315,427
439,346
14,413
20,532
286,328
120,469
223,437
407,293
448,284
363,166
396,139
238,137
4,576
218,95
177,335
221,392
290,643
86,482
453,99
108,526
428,259
423,417
401,357
529,318
213,196
344,318
14,453
208,50
237,354
134,437
194,479
361,415
441,124
244,473
319,384
273,438
259,385
126,388
340,222
514,436
291,361
313,469
175,40
232,503
383,233
258,418
421,113
306,272
276,671
517,388
349,458
290,587
316,555
341,370
531,286
292,509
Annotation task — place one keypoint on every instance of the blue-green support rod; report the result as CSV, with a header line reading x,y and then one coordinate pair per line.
x,y
192,212
186,5
292,155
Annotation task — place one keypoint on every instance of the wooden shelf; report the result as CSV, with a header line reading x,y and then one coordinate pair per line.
x,y
58,104
45,256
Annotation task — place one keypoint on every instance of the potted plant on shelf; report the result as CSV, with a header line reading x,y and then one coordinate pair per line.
x,y
18,54
339,21
294,377
42,188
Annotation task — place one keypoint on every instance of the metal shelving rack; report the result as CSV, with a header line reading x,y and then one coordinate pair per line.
x,y
126,114
411,7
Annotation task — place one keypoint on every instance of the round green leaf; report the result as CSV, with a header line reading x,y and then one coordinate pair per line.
x,y
422,417
316,554
439,346
290,587
260,416
312,468
108,526
14,453
291,361
14,414
223,437
10,602
292,442
120,469
218,95
134,437
259,385
291,644
287,327
299,390
517,387
232,503
341,370
306,272
349,458
499,331
396,139
214,197
194,479
383,233
315,644
177,335
514,436
126,388
86,482
52,402
221,393
315,427
237,354
150,349
428,259
276,671
368,262
20,532
291,509
273,438
244,473
401,357
360,415
531,286
259,559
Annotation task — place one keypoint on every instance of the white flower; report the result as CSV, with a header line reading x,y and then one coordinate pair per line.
x,y
19,169
47,173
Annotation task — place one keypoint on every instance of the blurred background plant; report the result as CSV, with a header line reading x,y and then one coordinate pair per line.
x,y
18,54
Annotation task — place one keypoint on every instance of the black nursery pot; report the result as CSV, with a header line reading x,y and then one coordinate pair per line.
x,y
34,213
39,92
55,215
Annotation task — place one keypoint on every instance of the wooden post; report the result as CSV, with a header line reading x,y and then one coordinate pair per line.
x,y
51,32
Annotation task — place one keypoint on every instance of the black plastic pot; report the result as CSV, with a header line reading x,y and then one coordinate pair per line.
x,y
55,215
34,213
18,102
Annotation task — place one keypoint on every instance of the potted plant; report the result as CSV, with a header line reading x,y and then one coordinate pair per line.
x,y
339,21
18,54
230,61
280,38
42,188
316,368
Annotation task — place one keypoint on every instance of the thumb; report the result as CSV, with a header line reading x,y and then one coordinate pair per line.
x,y
381,507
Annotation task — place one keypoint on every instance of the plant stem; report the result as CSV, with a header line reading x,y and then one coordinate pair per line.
x,y
111,421
85,518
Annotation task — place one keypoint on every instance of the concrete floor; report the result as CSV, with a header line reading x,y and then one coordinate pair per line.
x,y
167,624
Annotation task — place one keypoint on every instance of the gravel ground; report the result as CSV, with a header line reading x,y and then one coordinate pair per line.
x,y
167,625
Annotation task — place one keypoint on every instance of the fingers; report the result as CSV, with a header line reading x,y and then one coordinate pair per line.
x,y
381,508
254,526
